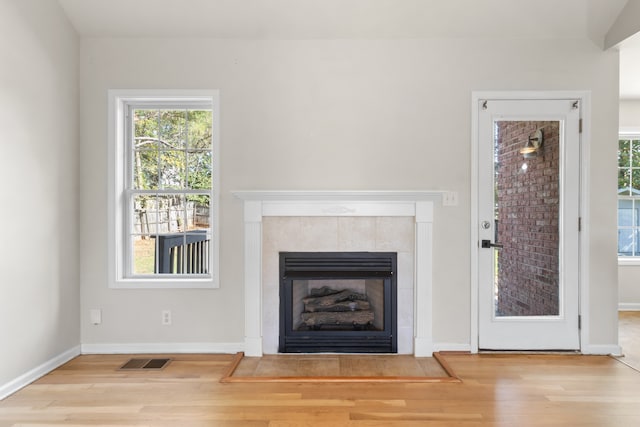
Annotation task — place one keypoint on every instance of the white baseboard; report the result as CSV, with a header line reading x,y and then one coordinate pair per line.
x,y
422,347
443,346
37,372
629,306
153,348
253,346
603,349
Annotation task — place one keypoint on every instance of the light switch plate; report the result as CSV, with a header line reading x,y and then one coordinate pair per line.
x,y
450,198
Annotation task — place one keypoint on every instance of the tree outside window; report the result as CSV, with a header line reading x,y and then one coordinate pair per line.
x,y
170,189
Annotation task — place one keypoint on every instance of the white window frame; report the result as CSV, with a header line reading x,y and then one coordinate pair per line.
x,y
118,100
627,133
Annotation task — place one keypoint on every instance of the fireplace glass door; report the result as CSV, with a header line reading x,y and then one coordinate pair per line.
x,y
338,302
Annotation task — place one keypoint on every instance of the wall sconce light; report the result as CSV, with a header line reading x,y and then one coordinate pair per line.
x,y
533,144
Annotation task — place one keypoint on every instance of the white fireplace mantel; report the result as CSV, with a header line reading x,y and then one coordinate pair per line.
x,y
417,204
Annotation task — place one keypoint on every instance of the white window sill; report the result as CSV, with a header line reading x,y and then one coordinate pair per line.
x,y
629,261
164,284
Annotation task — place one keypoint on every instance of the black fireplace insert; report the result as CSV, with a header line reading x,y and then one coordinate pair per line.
x,y
338,302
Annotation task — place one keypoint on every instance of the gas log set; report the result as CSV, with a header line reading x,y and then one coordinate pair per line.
x,y
335,308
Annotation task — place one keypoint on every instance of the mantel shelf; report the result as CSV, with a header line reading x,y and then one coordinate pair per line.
x,y
340,195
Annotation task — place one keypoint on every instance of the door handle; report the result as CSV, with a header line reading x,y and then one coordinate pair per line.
x,y
488,244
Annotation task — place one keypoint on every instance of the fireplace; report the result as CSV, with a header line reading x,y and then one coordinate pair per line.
x,y
279,220
343,302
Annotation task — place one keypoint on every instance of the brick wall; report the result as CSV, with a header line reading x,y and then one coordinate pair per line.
x,y
527,216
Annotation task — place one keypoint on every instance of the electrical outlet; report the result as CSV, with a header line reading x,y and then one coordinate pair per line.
x,y
450,198
96,316
166,317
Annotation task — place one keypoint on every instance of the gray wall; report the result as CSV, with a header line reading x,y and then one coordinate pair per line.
x,y
343,115
39,289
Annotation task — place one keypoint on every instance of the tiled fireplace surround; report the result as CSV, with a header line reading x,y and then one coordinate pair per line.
x,y
318,221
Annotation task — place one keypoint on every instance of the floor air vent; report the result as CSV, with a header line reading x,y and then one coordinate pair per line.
x,y
146,364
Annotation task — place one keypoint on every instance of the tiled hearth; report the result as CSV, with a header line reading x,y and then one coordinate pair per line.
x,y
391,221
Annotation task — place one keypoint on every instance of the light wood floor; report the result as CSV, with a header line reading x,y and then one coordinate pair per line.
x,y
497,390
340,367
629,331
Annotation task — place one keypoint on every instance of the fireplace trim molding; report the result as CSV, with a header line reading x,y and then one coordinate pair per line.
x,y
417,204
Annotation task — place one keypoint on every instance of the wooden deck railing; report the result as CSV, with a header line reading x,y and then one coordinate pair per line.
x,y
183,253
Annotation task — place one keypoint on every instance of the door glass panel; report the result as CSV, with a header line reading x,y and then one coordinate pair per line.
x,y
527,214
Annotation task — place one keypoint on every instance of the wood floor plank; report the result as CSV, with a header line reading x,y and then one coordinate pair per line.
x,y
497,390
629,327
339,368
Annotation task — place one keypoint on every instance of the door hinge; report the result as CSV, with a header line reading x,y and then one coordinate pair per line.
x,y
579,322
579,223
580,126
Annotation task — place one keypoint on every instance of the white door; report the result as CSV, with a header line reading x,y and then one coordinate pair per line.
x,y
528,212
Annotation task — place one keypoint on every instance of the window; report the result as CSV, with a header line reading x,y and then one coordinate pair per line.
x,y
629,196
163,189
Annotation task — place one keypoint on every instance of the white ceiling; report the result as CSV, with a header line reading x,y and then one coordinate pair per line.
x,y
326,18
331,19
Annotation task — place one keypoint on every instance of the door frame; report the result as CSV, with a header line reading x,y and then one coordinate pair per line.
x,y
583,257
